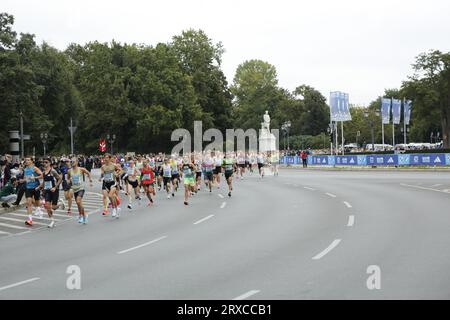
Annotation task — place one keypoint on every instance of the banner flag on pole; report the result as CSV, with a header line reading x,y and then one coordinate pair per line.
x,y
339,106
396,111
407,111
385,110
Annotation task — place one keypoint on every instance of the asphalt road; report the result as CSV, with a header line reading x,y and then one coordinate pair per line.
x,y
301,235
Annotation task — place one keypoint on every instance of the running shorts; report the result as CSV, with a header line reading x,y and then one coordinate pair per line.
x,y
51,196
208,176
190,181
166,180
108,185
79,193
33,193
228,174
134,183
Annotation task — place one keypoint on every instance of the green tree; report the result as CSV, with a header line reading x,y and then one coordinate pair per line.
x,y
201,59
429,89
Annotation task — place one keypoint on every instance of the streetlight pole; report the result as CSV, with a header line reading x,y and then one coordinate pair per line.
x,y
372,124
44,137
288,127
21,136
111,139
72,130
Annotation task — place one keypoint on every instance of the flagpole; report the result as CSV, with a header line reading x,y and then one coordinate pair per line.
x,y
404,122
342,136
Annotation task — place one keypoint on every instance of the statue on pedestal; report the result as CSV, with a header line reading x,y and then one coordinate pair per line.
x,y
266,139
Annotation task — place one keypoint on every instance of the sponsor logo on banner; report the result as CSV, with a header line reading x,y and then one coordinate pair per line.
x,y
428,159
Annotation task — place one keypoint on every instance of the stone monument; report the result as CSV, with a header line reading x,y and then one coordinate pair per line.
x,y
267,141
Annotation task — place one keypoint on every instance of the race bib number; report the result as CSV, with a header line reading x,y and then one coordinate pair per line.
x,y
76,180
48,185
208,169
146,176
229,167
187,172
167,172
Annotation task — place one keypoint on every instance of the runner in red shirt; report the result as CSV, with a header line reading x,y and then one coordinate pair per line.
x,y
148,180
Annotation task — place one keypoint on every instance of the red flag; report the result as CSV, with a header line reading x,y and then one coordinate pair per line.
x,y
102,145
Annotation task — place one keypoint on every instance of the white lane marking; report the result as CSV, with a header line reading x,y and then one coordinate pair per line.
x,y
204,219
351,221
328,249
436,185
4,232
223,205
446,190
308,188
295,185
247,294
142,245
347,204
220,196
18,283
11,226
23,221
55,214
423,188
26,216
331,195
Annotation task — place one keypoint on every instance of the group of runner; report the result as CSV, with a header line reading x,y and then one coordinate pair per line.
x,y
133,176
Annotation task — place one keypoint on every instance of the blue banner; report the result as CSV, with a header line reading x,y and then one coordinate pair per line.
x,y
339,106
382,160
407,111
347,160
396,111
385,110
432,159
320,160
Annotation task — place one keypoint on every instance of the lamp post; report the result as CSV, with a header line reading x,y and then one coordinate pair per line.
x,y
283,130
404,130
111,139
287,127
369,116
44,138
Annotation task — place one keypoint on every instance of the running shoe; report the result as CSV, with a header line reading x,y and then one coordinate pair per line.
x,y
85,219
114,213
105,212
229,194
80,219
186,203
51,225
29,223
129,207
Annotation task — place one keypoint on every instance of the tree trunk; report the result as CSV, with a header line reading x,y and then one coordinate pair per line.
x,y
446,127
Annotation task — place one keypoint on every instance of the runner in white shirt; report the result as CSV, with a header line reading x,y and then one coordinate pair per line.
x,y
218,168
132,175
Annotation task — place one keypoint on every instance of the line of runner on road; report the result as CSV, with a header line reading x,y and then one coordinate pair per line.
x,y
134,176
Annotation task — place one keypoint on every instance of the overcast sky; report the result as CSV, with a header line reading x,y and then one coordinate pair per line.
x,y
356,46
